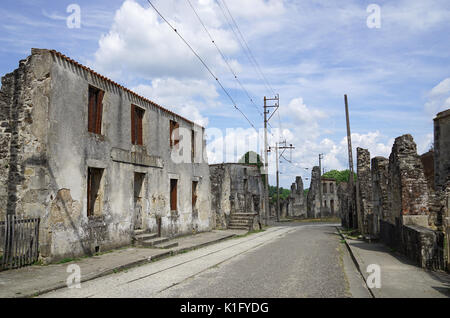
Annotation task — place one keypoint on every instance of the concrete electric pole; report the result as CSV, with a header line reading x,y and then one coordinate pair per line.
x,y
277,147
320,181
266,150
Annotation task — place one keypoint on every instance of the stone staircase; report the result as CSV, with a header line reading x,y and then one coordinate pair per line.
x,y
241,221
145,239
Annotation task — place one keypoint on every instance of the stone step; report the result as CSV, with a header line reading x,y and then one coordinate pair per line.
x,y
145,236
232,222
154,241
166,245
236,227
139,232
249,215
241,218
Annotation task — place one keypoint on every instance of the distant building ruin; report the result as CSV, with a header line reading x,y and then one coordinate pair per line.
x,y
330,200
237,195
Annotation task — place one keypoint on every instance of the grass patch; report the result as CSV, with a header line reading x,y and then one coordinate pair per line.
x,y
66,260
351,233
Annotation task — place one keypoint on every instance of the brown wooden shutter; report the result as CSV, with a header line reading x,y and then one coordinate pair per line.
x,y
133,125
99,115
91,111
139,127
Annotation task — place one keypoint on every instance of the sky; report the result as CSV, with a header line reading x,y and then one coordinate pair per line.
x,y
393,62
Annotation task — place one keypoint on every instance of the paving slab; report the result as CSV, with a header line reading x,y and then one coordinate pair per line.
x,y
38,279
400,277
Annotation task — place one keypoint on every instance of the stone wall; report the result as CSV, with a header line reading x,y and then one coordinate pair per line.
x,y
235,188
365,216
297,199
380,178
46,152
442,148
312,200
407,187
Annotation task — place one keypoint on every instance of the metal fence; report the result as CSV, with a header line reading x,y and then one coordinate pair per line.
x,y
19,242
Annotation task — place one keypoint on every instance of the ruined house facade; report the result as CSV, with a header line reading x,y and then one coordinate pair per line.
x,y
297,200
329,192
94,160
397,202
237,194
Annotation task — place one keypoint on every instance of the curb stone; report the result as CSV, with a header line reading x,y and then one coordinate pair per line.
x,y
358,267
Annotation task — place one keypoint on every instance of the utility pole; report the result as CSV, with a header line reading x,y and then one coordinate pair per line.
x,y
350,163
266,150
320,181
349,141
277,147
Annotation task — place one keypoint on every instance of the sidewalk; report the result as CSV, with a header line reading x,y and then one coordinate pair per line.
x,y
35,280
400,278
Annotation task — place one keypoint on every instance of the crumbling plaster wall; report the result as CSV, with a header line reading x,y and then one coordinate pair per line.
x,y
24,103
49,151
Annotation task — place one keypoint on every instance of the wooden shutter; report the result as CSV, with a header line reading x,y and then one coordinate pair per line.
x,y
133,125
99,115
91,110
140,115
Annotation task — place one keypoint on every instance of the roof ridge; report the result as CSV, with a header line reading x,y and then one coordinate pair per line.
x,y
72,61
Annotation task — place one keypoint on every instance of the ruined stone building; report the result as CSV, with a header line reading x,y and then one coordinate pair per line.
x,y
403,200
237,195
94,160
329,192
297,200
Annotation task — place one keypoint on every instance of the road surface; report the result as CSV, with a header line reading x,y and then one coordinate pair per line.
x,y
287,260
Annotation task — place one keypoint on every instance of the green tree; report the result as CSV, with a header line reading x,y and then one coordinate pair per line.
x,y
252,158
340,176
284,193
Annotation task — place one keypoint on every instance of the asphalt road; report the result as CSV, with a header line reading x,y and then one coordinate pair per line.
x,y
288,260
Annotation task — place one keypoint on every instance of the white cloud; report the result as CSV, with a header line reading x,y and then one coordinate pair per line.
x,y
438,98
185,97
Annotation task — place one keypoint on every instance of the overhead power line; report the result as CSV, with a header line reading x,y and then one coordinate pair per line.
x,y
203,63
224,57
241,39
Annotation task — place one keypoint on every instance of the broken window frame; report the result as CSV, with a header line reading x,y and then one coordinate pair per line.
x,y
174,128
173,195
92,174
95,110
